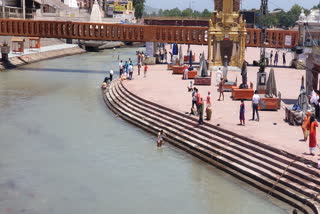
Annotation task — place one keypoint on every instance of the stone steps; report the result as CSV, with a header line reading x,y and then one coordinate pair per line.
x,y
222,149
312,188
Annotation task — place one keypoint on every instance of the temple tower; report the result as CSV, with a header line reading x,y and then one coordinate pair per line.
x,y
226,34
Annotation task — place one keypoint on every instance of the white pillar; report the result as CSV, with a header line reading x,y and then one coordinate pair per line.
x,y
4,9
23,9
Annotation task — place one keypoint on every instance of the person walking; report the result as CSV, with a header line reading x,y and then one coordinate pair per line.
x,y
242,111
255,104
111,75
201,110
276,58
284,58
145,70
271,56
221,89
305,126
312,135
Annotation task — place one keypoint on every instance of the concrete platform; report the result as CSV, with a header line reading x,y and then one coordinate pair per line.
x,y
169,90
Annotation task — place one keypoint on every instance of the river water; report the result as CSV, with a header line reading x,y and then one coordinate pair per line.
x,y
63,151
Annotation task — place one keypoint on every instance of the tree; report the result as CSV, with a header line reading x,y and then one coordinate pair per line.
x,y
139,8
206,13
187,12
316,6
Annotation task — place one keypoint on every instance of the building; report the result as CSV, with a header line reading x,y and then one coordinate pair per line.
x,y
308,51
120,9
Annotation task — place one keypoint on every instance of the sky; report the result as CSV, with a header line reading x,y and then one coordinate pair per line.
x,y
246,4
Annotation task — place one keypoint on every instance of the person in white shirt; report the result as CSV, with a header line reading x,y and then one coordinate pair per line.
x,y
255,104
130,69
120,68
111,75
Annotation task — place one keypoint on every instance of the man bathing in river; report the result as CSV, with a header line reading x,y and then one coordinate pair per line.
x,y
161,134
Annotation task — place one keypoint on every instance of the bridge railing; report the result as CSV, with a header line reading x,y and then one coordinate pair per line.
x,y
96,31
135,33
275,38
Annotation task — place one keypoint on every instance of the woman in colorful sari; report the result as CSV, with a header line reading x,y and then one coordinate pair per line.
x,y
313,135
305,126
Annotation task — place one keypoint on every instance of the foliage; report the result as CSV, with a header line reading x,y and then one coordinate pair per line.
x,y
139,8
188,12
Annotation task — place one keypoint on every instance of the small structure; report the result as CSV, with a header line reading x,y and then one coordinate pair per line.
x,y
271,100
243,92
204,78
17,44
34,43
178,68
313,70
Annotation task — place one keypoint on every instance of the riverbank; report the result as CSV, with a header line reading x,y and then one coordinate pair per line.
x,y
48,52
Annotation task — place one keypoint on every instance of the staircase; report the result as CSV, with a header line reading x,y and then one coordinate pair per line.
x,y
277,173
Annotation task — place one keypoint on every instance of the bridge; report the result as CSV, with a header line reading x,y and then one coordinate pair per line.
x,y
135,33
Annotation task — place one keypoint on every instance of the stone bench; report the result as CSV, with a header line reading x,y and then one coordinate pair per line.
x,y
192,74
242,93
177,69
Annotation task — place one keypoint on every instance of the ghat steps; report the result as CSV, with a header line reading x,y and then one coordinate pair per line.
x,y
273,171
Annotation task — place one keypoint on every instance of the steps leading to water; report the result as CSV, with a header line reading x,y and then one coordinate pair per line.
x,y
275,172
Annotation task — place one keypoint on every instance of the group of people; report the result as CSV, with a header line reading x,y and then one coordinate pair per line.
x,y
197,107
126,68
276,58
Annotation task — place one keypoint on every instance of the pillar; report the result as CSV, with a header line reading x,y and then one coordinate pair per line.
x,y
217,60
23,3
4,9
210,49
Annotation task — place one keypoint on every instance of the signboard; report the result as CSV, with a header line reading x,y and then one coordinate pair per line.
x,y
288,40
110,11
149,49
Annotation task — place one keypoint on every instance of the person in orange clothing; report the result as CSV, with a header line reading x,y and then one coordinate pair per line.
x,y
312,135
305,126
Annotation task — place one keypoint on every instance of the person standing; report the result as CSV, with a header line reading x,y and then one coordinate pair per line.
x,y
111,75
120,68
130,68
201,109
276,58
126,67
221,89
208,100
165,56
271,56
284,58
255,104
139,67
145,70
194,97
242,111
185,72
313,135
305,126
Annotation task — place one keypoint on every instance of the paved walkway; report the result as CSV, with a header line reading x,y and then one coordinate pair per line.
x,y
43,49
161,87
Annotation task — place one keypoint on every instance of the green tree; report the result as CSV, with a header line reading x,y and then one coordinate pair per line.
x,y
206,13
316,6
139,8
187,12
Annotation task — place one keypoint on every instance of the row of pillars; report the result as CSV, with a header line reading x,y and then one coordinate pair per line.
x,y
23,3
